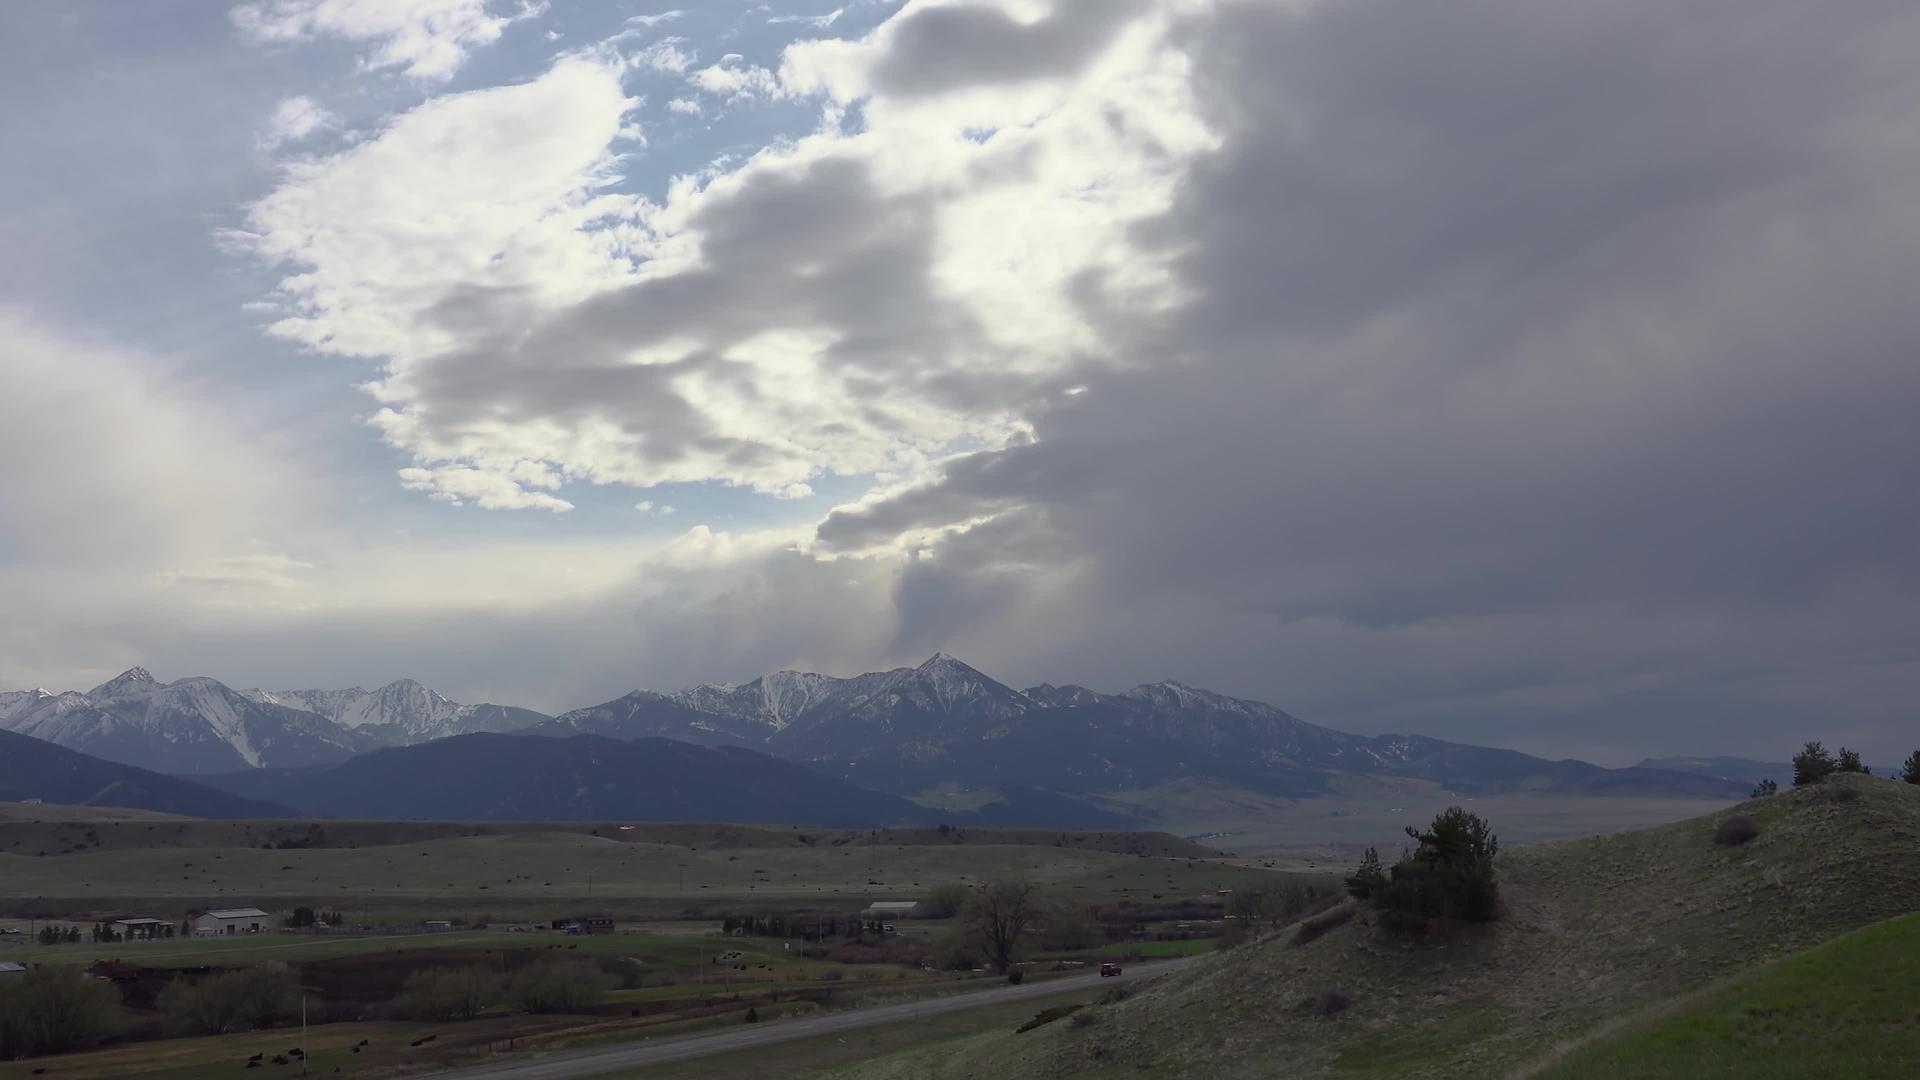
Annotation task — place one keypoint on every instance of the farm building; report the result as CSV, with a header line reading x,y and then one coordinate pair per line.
x,y
222,922
891,909
140,929
439,925
589,924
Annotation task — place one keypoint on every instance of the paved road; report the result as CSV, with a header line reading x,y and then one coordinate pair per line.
x,y
660,1051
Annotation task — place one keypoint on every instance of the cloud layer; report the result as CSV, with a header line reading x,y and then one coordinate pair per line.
x,y
1535,373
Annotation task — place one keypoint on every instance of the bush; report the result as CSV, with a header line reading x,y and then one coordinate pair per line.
x,y
752,1017
1328,1003
1320,925
1911,773
250,998
1849,762
1449,878
445,994
1763,789
1016,977
1812,764
1369,880
557,984
1083,1020
1047,1016
50,1011
1071,927
1735,831
958,951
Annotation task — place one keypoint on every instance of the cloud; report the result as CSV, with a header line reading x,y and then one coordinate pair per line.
x,y
685,107
734,79
667,56
426,39
932,48
1517,409
294,120
1500,372
817,22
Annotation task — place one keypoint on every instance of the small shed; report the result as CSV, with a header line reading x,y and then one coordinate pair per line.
x,y
439,925
226,922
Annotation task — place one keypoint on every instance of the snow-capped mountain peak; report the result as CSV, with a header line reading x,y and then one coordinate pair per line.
x,y
134,680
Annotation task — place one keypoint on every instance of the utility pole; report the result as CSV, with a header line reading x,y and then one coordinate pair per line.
x,y
303,1033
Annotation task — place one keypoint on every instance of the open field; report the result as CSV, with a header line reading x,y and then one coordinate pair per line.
x,y
1366,811
1850,1007
545,875
1593,931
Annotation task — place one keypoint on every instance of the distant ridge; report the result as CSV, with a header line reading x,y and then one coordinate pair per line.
x,y
33,769
487,777
908,729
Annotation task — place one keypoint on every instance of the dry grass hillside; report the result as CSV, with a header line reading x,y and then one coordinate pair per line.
x,y
1595,930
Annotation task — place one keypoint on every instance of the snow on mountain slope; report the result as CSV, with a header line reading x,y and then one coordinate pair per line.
x,y
200,725
194,725
401,713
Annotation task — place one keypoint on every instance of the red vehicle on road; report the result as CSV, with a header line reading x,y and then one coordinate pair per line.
x,y
1109,969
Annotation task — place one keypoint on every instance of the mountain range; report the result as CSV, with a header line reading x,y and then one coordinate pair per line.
x,y
199,725
910,729
1044,750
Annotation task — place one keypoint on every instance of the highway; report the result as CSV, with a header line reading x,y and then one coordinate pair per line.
x,y
600,1061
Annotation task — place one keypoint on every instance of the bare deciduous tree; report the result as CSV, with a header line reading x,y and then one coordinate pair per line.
x,y
1000,914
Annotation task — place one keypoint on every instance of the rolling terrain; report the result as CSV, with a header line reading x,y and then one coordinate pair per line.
x,y
33,769
486,777
1594,931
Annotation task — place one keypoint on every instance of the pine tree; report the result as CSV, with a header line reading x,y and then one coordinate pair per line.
x,y
1850,763
1370,879
1763,789
1812,764
1911,774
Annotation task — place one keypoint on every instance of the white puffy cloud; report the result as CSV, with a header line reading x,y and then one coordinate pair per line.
x,y
855,302
463,209
426,39
293,120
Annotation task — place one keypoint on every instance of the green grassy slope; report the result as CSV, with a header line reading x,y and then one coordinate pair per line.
x,y
1596,929
1848,1008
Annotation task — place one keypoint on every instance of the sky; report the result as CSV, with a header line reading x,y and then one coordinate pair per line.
x,y
1533,373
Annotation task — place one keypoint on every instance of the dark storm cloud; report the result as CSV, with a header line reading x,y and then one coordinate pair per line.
x,y
1548,374
939,49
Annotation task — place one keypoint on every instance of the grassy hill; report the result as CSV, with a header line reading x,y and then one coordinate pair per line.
x,y
1595,930
1845,1008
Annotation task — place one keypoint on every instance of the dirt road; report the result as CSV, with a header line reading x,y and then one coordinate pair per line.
x,y
654,1052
